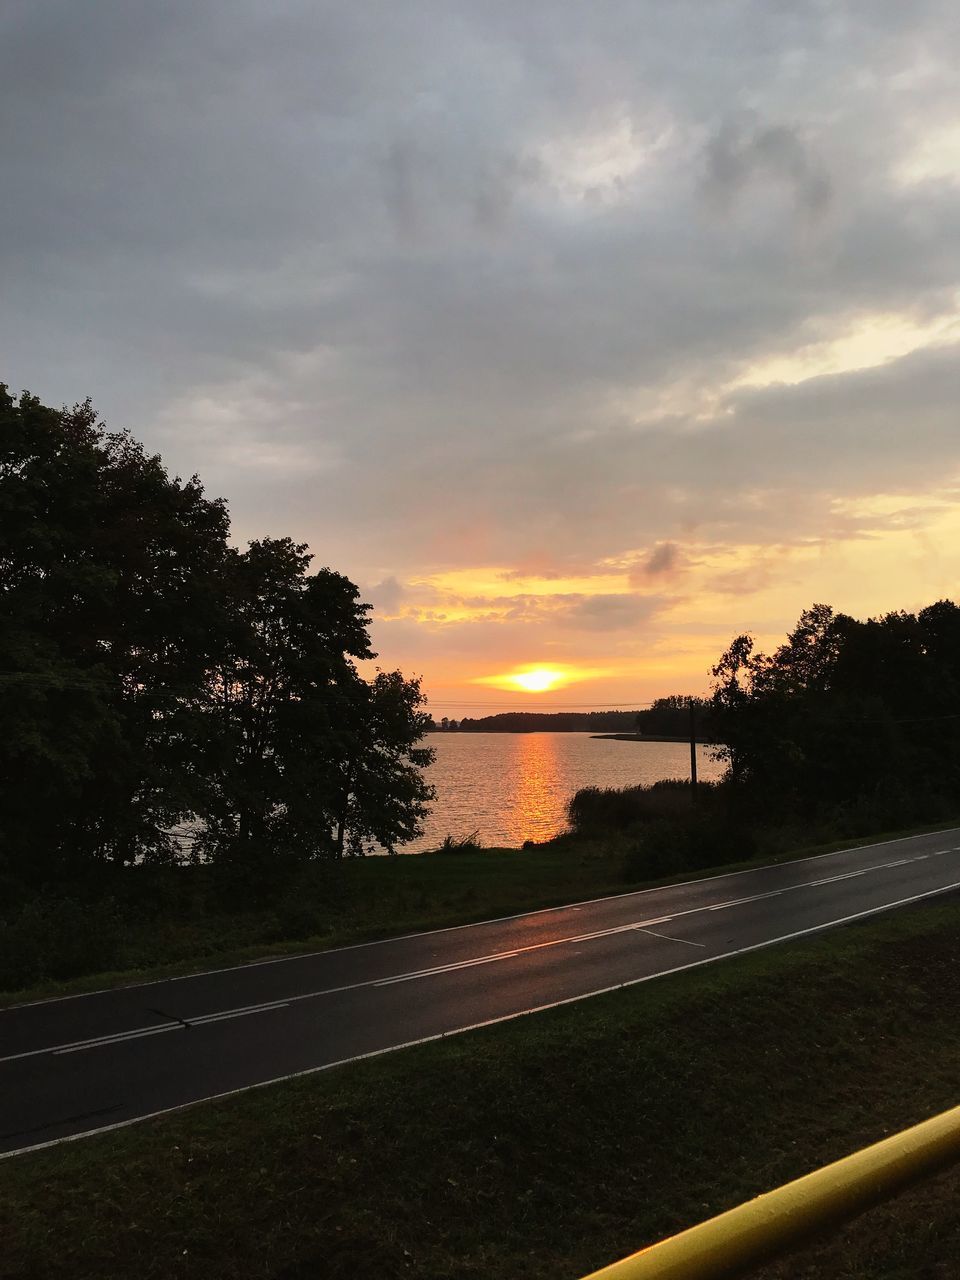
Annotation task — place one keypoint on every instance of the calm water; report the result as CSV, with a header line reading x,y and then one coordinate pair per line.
x,y
513,787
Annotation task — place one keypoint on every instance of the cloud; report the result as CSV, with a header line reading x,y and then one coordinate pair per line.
x,y
386,596
540,286
740,158
608,613
662,560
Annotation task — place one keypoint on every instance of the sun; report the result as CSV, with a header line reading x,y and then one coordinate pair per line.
x,y
537,680
531,678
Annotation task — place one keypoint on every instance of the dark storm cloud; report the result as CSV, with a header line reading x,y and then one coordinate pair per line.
x,y
736,158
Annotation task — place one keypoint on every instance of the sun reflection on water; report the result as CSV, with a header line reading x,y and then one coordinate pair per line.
x,y
538,781
511,787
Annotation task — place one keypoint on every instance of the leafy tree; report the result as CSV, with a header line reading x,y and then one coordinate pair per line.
x,y
383,796
846,712
295,755
106,623
155,682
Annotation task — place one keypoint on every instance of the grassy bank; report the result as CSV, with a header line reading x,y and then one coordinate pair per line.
x,y
542,1147
168,921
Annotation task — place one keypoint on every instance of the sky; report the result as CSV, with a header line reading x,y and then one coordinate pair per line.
x,y
582,336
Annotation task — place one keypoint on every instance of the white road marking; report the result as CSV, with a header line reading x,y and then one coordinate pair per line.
x,y
446,968
850,875
488,1022
137,1033
140,1034
757,897
480,924
506,955
238,1013
666,937
641,926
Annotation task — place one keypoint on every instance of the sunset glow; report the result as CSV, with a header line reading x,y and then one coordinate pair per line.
x,y
535,679
577,356
539,680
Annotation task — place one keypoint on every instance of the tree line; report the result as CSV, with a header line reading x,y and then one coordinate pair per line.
x,y
665,717
166,696
846,715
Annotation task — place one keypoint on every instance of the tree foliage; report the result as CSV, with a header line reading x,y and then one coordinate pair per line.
x,y
845,711
295,753
161,689
107,622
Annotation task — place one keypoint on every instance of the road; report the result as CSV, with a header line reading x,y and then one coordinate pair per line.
x,y
81,1064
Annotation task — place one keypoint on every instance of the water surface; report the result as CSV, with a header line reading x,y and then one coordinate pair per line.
x,y
512,787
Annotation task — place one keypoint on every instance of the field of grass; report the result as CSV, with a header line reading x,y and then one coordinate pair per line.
x,y
543,1147
168,921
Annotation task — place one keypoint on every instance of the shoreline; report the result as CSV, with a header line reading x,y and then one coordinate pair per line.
x,y
649,737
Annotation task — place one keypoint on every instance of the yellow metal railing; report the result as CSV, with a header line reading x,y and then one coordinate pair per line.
x,y
773,1223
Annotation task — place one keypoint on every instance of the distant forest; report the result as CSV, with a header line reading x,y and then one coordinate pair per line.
x,y
666,717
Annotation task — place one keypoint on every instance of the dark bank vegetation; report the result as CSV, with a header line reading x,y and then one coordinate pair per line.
x,y
544,1147
665,717
848,729
168,919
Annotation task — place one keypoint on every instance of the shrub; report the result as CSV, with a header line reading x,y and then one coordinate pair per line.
x,y
694,843
60,939
597,809
463,844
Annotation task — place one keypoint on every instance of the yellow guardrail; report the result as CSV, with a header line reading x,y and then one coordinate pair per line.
x,y
773,1223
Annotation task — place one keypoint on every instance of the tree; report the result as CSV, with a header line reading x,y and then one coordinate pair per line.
x,y
107,573
846,713
295,755
154,680
383,796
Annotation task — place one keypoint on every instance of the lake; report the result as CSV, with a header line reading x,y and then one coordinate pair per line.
x,y
511,787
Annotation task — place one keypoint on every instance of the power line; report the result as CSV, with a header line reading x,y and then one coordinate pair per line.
x,y
524,708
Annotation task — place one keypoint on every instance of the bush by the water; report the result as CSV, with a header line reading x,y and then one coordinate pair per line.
x,y
459,844
606,809
664,829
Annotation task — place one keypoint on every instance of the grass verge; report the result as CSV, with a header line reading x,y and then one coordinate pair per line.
x,y
542,1147
177,923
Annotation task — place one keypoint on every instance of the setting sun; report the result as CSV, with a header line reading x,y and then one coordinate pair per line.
x,y
536,679
539,680
531,679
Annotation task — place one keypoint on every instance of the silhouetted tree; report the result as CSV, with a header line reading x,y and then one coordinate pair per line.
x,y
108,618
846,712
298,756
154,678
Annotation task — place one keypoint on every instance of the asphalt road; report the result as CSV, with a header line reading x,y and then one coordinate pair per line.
x,y
78,1065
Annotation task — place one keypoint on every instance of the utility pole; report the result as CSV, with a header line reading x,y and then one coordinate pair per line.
x,y
693,751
